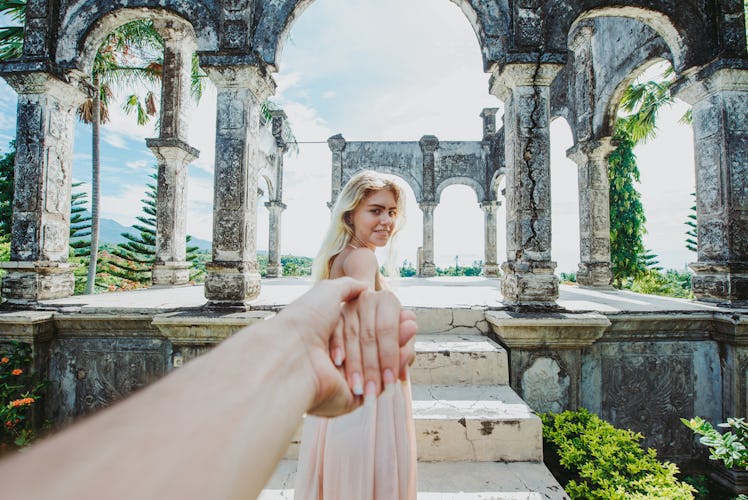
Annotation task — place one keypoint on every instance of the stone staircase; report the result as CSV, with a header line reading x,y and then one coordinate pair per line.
x,y
475,436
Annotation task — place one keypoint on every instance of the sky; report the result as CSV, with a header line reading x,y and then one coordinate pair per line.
x,y
383,70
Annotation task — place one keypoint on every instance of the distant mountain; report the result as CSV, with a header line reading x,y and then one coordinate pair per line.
x,y
110,231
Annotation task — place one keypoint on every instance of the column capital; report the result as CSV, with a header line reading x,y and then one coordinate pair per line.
x,y
172,148
714,77
522,75
336,143
74,91
275,204
583,151
488,205
427,206
249,76
428,143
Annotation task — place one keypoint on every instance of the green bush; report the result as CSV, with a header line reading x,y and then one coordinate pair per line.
x,y
598,461
671,283
20,391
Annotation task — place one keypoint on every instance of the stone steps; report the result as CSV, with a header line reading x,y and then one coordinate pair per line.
x,y
454,481
475,436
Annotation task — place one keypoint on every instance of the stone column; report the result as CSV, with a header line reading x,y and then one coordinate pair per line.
x,y
719,97
274,269
528,272
490,264
38,267
233,276
174,155
336,144
594,211
429,144
427,267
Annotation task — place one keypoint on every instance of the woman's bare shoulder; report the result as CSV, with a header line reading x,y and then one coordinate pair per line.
x,y
360,263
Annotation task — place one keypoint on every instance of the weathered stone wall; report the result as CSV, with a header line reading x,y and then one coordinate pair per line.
x,y
642,372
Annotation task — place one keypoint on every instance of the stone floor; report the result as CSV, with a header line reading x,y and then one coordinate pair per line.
x,y
413,292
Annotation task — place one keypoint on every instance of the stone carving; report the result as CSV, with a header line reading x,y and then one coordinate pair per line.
x,y
650,393
545,386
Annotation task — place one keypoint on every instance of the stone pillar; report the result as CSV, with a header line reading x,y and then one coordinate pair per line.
x,y
38,267
489,122
594,211
719,97
528,272
336,144
429,144
174,155
427,267
490,264
233,275
274,269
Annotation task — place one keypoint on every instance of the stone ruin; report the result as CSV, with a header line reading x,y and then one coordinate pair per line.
x,y
547,59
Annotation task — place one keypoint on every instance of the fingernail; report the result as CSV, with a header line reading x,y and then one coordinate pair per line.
x,y
371,388
358,384
338,356
388,377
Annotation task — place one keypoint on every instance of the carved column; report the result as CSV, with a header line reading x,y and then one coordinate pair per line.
x,y
38,267
719,97
529,271
427,267
490,264
233,276
336,144
429,144
594,211
174,155
274,269
276,206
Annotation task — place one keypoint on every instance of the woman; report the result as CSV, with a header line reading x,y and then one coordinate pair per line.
x,y
370,453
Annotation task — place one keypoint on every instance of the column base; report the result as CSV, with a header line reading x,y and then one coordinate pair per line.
x,y
721,282
491,270
595,274
427,270
27,282
274,271
230,284
171,273
529,283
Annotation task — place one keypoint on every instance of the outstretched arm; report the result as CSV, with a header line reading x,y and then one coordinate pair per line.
x,y
215,428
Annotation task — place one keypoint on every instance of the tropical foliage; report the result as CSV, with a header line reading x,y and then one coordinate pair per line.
x,y
133,260
7,174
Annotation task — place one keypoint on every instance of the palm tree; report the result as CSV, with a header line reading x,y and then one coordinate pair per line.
x,y
11,37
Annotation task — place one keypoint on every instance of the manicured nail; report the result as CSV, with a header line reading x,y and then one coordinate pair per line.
x,y
338,356
358,384
388,377
371,388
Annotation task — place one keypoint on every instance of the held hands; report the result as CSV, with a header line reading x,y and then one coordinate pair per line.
x,y
369,333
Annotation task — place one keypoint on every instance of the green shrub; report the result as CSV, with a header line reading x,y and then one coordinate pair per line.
x,y
671,283
599,461
20,390
730,447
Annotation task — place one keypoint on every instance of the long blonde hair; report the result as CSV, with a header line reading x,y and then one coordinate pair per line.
x,y
340,232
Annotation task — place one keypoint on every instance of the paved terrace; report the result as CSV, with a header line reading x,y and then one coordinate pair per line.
x,y
438,292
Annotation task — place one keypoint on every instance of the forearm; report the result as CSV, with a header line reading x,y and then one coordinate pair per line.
x,y
197,433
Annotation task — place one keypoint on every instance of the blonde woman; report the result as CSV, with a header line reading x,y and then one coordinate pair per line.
x,y
370,453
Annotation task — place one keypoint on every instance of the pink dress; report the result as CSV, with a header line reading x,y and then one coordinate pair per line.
x,y
365,455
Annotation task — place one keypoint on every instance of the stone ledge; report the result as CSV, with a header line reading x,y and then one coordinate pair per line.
x,y
189,328
555,330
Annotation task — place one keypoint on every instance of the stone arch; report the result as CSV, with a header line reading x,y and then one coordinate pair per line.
x,y
493,186
490,22
86,23
480,191
403,174
685,27
270,186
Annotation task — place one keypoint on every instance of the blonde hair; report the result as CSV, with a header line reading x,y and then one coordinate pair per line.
x,y
340,231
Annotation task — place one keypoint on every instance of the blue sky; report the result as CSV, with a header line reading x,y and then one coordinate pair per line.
x,y
384,70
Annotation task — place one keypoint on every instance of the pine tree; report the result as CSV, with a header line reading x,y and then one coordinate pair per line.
x,y
80,224
692,239
136,256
